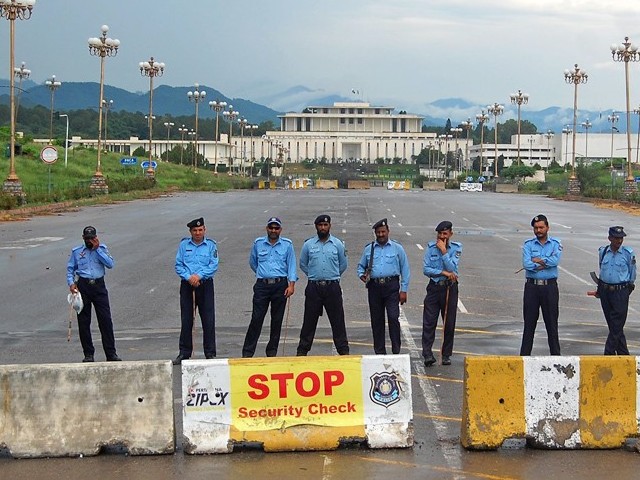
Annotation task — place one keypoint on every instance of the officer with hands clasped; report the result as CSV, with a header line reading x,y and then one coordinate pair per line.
x,y
384,269
323,259
540,259
196,265
616,282
273,260
87,263
440,264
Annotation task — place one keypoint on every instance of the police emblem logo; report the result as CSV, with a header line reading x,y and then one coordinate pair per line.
x,y
385,389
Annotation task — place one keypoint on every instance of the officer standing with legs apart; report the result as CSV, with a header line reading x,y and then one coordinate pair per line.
x,y
440,264
273,260
323,259
540,259
617,277
196,264
88,262
384,269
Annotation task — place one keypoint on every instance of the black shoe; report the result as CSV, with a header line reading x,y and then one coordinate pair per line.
x,y
301,354
88,358
209,356
446,360
114,358
430,360
179,359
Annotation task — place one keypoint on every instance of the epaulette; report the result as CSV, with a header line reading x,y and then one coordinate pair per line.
x,y
285,239
628,249
451,242
77,248
432,243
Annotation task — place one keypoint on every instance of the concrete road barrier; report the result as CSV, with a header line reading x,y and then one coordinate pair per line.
x,y
506,188
326,184
433,186
292,403
585,402
358,184
398,184
62,410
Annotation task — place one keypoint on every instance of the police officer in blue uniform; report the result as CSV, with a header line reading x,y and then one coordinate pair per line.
x,y
617,281
87,264
323,259
440,264
384,269
540,259
196,265
273,260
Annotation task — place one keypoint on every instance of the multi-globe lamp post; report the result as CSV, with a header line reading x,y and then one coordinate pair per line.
x,y
456,131
183,131
613,119
196,96
586,125
151,69
481,118
627,52
217,106
243,122
169,125
52,84
519,99
251,128
20,73
496,110
467,125
107,108
230,115
549,135
575,76
13,10
102,47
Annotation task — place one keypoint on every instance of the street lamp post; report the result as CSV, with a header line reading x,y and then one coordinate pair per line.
x,y
549,135
196,97
613,119
168,125
268,140
637,112
243,122
52,84
467,125
192,134
586,125
217,107
12,10
481,118
21,73
253,158
66,138
496,109
457,131
518,99
151,69
102,47
575,76
627,52
107,107
183,131
230,115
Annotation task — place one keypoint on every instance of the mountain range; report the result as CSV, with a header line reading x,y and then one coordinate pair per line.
x,y
168,100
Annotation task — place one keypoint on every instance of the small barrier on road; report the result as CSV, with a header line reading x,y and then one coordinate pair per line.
x,y
266,185
326,184
588,402
506,188
292,403
64,410
358,184
433,186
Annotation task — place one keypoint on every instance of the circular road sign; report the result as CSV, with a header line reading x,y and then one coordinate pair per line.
x,y
49,154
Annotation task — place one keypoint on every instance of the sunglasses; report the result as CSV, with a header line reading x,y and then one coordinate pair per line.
x,y
274,227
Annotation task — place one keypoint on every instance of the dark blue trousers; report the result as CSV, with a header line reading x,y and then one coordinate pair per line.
x,y
615,305
204,296
95,294
536,298
434,306
384,297
264,295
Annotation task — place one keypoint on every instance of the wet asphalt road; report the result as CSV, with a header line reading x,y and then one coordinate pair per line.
x,y
143,236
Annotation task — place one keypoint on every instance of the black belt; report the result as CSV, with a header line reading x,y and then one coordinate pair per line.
x,y
614,286
536,281
322,283
383,280
271,281
91,281
443,283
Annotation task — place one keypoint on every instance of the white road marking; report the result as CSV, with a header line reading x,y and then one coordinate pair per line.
x,y
399,224
574,276
408,233
326,468
29,243
503,238
461,307
563,226
590,252
393,216
344,230
420,247
465,219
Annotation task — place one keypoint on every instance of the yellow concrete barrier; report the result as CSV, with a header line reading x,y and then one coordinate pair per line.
x,y
63,410
358,184
326,184
553,402
290,403
398,184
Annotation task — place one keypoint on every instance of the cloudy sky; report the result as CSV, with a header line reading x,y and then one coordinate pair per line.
x,y
406,53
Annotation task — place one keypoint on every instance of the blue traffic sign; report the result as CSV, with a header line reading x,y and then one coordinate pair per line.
x,y
129,161
637,179
145,164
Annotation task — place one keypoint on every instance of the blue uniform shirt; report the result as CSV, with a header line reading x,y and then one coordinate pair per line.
x,y
271,261
617,267
550,252
200,259
435,262
389,260
323,260
87,263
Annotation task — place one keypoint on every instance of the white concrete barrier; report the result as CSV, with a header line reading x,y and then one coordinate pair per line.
x,y
297,403
62,410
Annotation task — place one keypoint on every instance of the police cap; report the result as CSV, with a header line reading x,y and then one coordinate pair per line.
x,y
198,222
617,232
89,232
539,218
275,220
445,225
322,219
380,223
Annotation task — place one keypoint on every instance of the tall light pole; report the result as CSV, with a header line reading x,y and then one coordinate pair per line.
x,y
230,115
481,118
637,112
102,47
196,97
518,99
566,131
12,10
467,125
627,52
575,76
151,69
168,125
243,122
192,134
457,131
496,109
253,158
268,140
20,73
217,107
66,138
549,135
613,119
586,125
52,84
107,107
183,131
